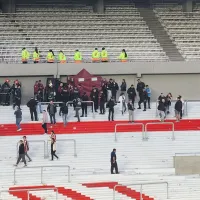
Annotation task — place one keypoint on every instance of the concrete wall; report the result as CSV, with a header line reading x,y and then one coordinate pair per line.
x,y
186,165
175,77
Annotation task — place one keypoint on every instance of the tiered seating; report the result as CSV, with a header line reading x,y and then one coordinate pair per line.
x,y
138,162
70,28
183,28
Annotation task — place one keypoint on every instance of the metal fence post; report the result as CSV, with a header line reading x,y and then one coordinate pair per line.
x,y
141,192
42,175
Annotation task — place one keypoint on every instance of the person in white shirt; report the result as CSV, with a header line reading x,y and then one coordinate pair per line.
x,y
122,103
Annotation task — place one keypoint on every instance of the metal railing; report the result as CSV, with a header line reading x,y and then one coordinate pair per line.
x,y
141,187
35,141
42,167
64,140
93,111
130,124
29,190
154,123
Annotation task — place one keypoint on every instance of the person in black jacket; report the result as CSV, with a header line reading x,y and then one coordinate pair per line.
x,y
113,161
6,90
110,105
143,99
51,108
162,109
123,86
140,87
84,104
77,104
64,113
102,100
21,154
32,104
94,97
17,97
178,108
114,90
131,94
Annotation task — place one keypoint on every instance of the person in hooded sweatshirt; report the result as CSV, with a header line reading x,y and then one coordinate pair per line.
x,y
178,108
18,116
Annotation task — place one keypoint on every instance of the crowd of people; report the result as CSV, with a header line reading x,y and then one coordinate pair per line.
x,y
96,56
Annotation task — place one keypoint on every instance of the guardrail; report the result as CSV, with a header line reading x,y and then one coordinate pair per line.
x,y
34,141
74,141
42,167
141,187
29,190
130,124
154,123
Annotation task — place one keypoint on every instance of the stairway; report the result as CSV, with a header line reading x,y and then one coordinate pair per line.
x,y
160,34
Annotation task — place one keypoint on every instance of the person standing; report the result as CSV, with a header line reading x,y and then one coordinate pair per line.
x,y
26,148
18,115
148,90
104,88
32,104
110,105
94,97
84,104
178,108
143,99
64,112
110,86
21,154
131,94
168,102
123,86
131,111
102,100
140,87
114,90
53,135
161,110
17,97
44,121
53,149
51,108
122,103
182,111
77,108
113,161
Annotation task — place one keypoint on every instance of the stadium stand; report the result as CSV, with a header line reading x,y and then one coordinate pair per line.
x,y
121,27
181,27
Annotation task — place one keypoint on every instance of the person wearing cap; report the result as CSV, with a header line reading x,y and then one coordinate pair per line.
x,y
95,55
26,148
178,108
18,116
44,121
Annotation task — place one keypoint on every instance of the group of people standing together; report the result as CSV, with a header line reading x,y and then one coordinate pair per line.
x,y
23,149
61,58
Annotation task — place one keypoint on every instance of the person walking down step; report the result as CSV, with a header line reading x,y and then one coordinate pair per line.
x,y
18,116
113,161
161,110
26,148
53,149
21,154
44,121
